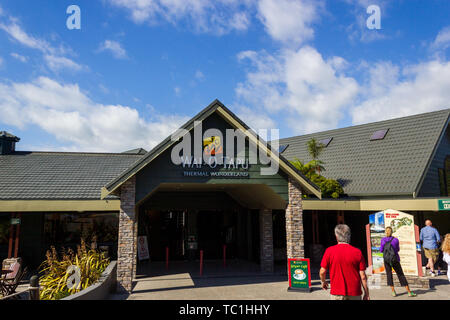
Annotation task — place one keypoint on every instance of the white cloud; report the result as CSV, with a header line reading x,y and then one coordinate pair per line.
x,y
19,57
442,41
394,92
358,30
255,120
64,111
114,47
205,16
56,63
1,61
289,21
301,84
53,56
199,75
18,34
177,91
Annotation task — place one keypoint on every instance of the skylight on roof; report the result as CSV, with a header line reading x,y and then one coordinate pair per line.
x,y
379,135
325,142
282,148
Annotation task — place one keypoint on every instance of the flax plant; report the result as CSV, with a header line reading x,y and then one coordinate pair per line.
x,y
55,270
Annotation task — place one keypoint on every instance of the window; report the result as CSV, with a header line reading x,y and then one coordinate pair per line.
x,y
379,135
325,142
283,148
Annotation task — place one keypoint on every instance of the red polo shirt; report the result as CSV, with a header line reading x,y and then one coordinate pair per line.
x,y
344,262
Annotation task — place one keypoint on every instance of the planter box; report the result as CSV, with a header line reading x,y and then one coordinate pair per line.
x,y
100,290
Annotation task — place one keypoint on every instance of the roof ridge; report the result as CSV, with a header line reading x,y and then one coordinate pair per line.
x,y
381,122
75,153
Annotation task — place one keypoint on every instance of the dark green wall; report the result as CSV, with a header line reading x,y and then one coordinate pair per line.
x,y
431,186
192,201
31,245
162,170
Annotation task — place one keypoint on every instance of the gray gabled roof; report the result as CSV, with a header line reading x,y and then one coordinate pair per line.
x,y
58,175
392,166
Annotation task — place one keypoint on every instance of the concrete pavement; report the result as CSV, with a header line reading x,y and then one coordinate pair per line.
x,y
178,285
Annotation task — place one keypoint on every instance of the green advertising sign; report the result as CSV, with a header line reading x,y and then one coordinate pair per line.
x,y
444,205
299,274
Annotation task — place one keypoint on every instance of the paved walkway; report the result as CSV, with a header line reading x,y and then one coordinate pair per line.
x,y
216,284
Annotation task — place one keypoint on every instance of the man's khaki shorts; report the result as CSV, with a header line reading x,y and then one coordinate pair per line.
x,y
345,297
432,254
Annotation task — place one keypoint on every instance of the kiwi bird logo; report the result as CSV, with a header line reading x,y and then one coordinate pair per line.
x,y
212,146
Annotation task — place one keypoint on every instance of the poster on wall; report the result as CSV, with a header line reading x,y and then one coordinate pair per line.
x,y
403,229
402,225
143,253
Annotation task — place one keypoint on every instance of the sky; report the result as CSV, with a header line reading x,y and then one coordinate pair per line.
x,y
138,69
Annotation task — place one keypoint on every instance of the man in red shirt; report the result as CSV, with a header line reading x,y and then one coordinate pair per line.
x,y
347,268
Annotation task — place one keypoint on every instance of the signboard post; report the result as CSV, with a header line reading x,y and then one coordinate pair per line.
x,y
143,253
299,275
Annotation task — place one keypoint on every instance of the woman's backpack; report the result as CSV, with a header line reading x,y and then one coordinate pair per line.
x,y
389,252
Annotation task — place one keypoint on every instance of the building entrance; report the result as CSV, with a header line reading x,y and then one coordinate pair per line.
x,y
184,233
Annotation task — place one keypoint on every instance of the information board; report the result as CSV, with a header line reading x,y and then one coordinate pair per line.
x,y
403,229
299,274
402,225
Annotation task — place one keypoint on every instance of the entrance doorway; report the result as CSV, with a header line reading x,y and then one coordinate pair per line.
x,y
185,233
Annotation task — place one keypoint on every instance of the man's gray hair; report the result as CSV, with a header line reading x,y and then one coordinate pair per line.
x,y
343,233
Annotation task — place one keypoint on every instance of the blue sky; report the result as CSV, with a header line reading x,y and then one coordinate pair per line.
x,y
138,69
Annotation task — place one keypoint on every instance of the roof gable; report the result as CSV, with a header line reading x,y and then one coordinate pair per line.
x,y
215,107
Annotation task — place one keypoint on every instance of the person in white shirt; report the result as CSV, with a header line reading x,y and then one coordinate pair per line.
x,y
446,250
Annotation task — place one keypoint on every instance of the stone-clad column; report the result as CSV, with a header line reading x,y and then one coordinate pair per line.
x,y
294,223
266,240
126,255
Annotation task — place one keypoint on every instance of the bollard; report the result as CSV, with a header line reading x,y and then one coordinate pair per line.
x,y
167,258
34,288
201,262
224,255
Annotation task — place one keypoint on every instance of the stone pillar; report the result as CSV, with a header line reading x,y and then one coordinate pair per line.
x,y
126,254
295,242
266,240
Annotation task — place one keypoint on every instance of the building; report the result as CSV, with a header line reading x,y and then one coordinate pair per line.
x,y
400,164
54,198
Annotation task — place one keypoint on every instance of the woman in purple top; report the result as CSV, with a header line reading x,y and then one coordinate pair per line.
x,y
387,243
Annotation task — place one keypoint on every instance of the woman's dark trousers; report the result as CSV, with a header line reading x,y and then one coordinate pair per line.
x,y
398,270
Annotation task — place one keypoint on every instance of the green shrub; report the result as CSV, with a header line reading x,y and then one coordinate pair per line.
x,y
55,274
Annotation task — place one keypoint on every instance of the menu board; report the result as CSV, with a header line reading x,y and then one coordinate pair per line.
x,y
299,274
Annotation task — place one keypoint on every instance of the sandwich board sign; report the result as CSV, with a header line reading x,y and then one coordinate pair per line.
x,y
299,275
143,253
